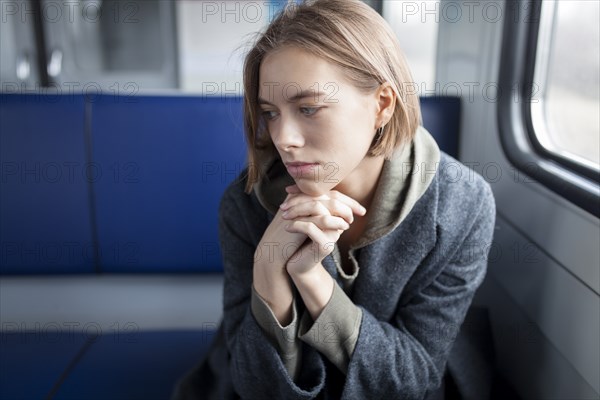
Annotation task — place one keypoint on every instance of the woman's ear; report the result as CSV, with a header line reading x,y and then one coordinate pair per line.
x,y
386,103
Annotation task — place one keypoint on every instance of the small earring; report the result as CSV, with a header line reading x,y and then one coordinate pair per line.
x,y
379,134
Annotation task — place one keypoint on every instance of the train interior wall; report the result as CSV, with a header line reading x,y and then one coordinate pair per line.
x,y
542,286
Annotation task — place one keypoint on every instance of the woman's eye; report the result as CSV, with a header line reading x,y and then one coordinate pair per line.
x,y
269,114
309,110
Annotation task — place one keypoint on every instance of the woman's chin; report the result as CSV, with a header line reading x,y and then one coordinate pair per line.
x,y
311,188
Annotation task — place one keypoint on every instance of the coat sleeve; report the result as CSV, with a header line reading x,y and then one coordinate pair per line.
x,y
255,364
283,337
406,357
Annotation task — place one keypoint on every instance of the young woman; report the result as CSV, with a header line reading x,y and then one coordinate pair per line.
x,y
352,246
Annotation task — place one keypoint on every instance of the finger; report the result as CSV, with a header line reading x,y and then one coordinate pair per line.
x,y
306,209
356,207
340,209
287,199
327,222
304,205
312,231
298,198
294,189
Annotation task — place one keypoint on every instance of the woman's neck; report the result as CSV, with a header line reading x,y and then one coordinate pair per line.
x,y
362,182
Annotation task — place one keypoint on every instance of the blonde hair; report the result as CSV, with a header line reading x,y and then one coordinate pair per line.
x,y
351,35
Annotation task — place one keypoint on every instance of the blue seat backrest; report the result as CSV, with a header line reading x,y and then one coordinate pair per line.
x,y
44,195
169,159
149,173
441,117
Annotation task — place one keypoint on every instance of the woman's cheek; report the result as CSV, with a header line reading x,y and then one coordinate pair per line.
x,y
332,173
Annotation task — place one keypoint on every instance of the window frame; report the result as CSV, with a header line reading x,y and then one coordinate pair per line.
x,y
576,182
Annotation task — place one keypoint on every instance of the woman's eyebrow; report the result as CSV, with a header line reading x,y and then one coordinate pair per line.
x,y
296,97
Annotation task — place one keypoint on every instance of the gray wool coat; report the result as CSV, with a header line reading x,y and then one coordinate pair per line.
x,y
388,330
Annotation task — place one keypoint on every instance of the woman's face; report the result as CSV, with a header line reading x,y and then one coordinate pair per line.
x,y
314,115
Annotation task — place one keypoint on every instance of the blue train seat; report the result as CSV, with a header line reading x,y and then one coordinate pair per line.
x,y
113,185
44,196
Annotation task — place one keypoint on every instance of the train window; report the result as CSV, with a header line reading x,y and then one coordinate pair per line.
x,y
409,20
549,125
113,46
191,47
214,67
567,70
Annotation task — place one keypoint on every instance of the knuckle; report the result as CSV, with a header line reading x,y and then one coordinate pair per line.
x,y
324,210
343,207
335,208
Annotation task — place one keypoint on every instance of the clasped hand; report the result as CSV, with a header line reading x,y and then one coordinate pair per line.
x,y
294,244
321,219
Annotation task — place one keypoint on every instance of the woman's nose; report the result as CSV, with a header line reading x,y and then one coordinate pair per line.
x,y
287,135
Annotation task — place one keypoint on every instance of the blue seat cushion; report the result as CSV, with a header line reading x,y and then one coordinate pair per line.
x,y
32,363
136,365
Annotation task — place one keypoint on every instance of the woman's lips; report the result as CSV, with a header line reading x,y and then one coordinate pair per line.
x,y
302,170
